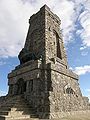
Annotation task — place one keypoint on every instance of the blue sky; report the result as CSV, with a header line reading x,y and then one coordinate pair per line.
x,y
75,25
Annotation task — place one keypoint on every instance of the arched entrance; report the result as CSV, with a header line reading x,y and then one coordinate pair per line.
x,y
21,86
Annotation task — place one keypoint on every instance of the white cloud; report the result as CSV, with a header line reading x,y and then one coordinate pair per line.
x,y
71,68
89,97
84,53
83,47
14,17
85,22
2,63
88,93
84,19
88,90
2,93
82,70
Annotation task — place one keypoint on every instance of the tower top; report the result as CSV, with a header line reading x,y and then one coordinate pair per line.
x,y
42,10
44,38
49,10
45,7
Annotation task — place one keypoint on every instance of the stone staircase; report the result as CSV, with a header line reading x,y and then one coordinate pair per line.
x,y
17,108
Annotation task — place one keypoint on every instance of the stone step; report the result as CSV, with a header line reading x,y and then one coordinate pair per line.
x,y
23,117
5,109
24,103
15,105
17,108
21,109
15,101
19,118
18,113
4,113
2,118
25,110
33,116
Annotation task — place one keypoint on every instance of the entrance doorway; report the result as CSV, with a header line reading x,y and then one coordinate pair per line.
x,y
21,86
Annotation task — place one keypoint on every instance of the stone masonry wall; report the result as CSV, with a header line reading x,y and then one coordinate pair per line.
x,y
52,28
35,41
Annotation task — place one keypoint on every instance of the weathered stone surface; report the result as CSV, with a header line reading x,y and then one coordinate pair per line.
x,y
17,108
43,75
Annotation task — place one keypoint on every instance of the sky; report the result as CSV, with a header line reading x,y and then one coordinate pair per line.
x,y
75,26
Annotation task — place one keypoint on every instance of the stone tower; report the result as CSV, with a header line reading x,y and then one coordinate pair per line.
x,y
43,76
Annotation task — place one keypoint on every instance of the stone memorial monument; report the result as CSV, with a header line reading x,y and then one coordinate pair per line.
x,y
43,77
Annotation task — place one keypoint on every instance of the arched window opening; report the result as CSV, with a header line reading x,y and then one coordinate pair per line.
x,y
69,91
58,49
